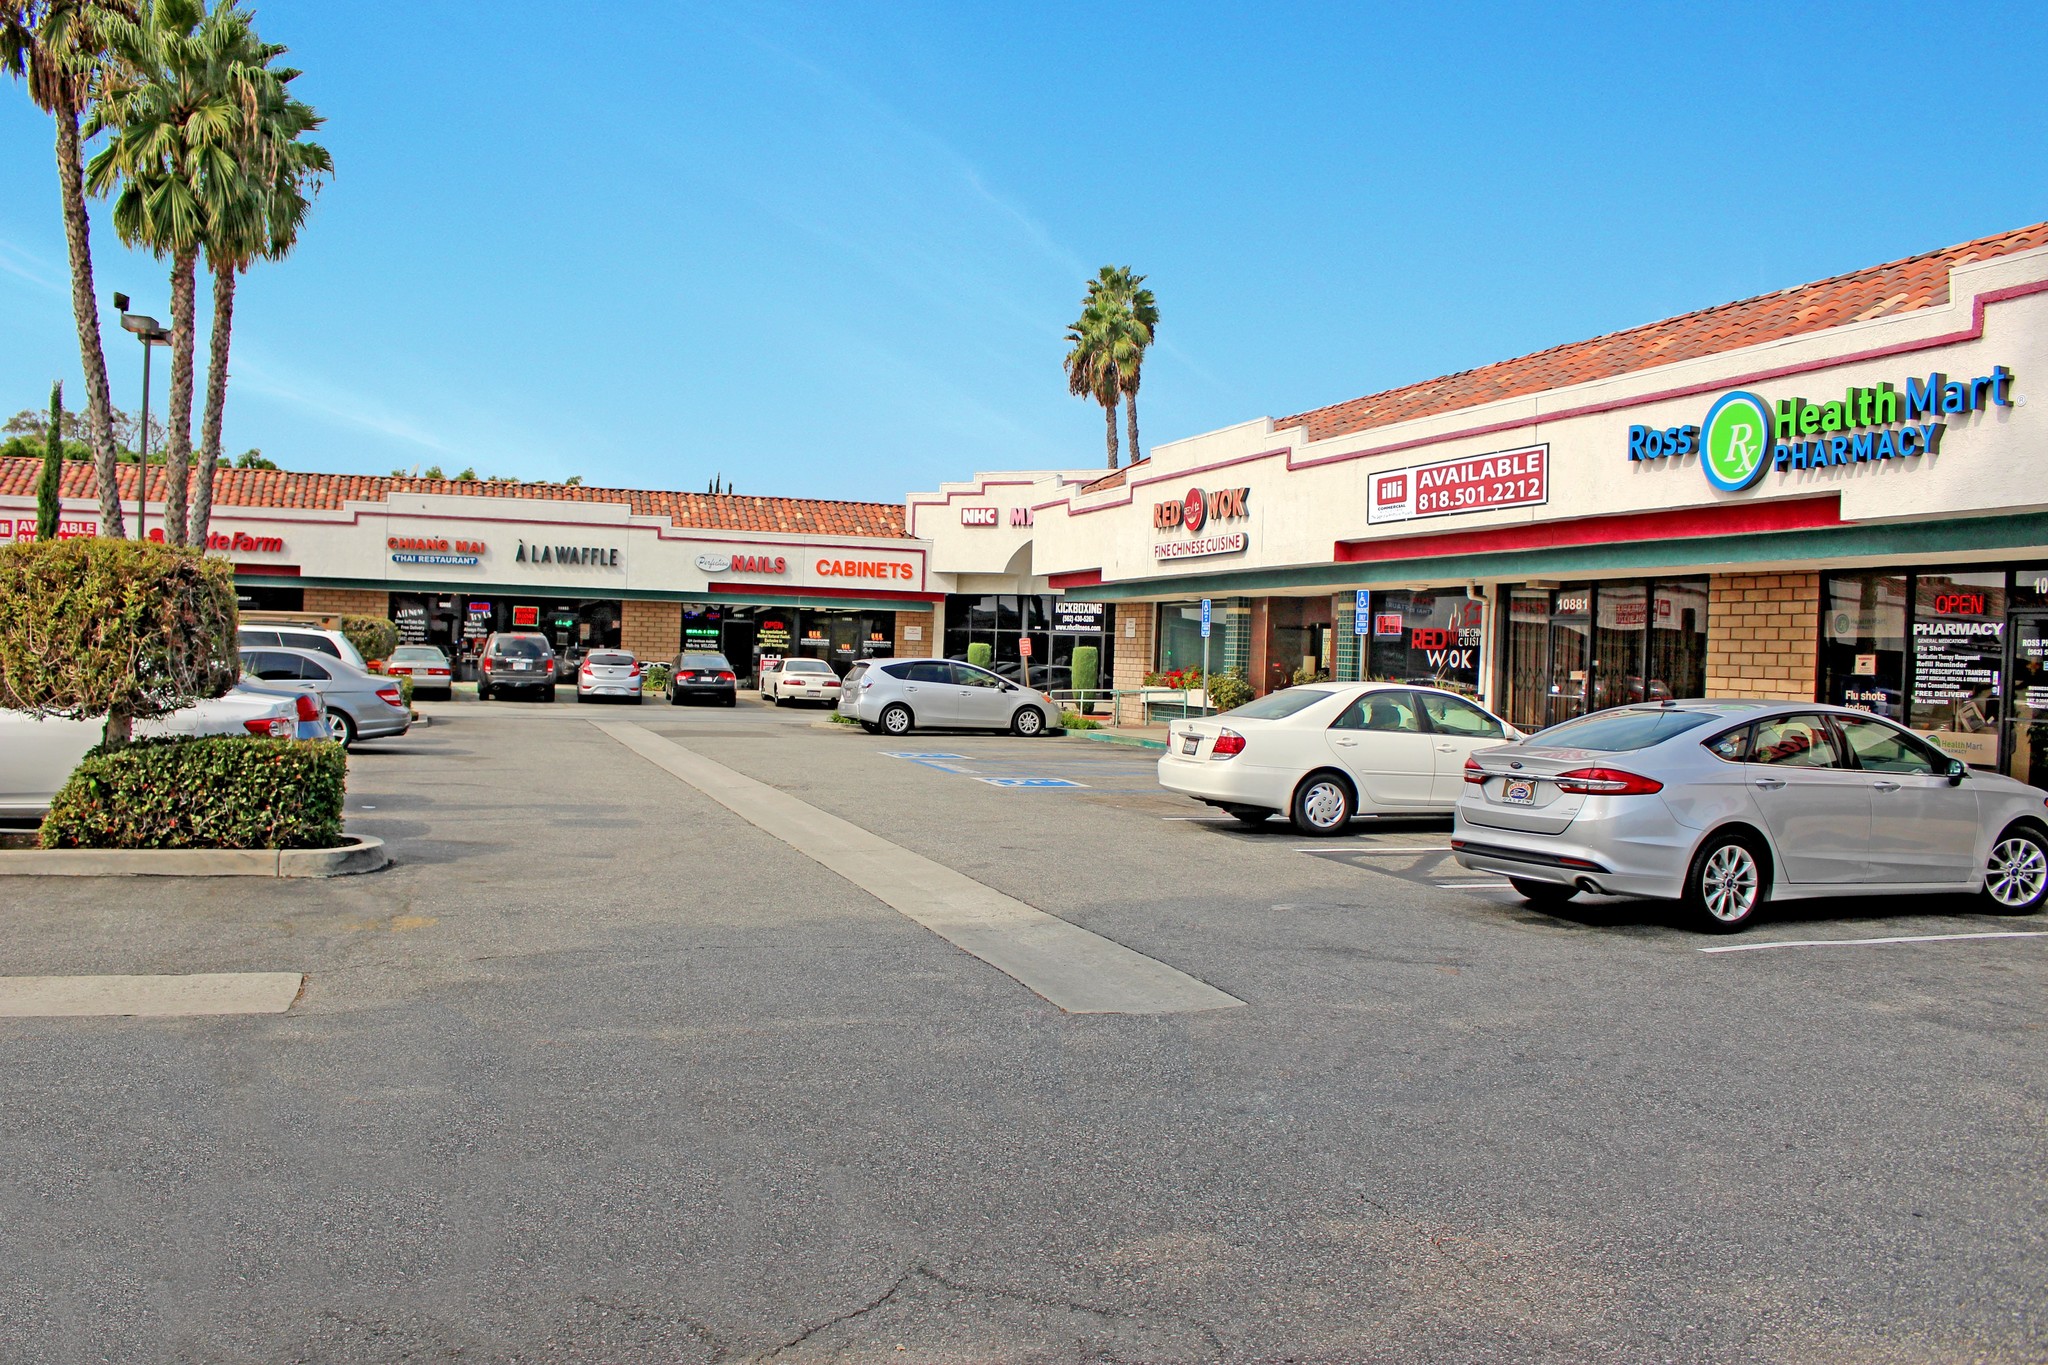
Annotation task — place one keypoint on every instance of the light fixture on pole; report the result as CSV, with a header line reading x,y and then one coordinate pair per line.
x,y
151,333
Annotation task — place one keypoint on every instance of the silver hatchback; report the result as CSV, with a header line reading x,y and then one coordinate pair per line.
x,y
894,696
1728,804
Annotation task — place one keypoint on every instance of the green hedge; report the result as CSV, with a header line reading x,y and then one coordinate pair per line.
x,y
373,636
214,792
981,654
1087,667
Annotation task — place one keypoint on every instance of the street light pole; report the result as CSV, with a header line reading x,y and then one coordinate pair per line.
x,y
150,333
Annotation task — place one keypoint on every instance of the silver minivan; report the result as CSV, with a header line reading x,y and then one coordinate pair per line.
x,y
893,696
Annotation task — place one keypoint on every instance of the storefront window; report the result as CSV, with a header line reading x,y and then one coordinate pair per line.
x,y
1959,662
1432,637
1863,642
1003,622
1586,648
1180,635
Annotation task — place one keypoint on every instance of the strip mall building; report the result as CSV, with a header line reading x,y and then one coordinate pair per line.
x,y
1834,492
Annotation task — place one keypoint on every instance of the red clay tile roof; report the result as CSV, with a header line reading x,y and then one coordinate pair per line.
x,y
280,488
1896,287
1113,479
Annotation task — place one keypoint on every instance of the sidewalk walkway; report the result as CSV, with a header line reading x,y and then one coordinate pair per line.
x,y
1136,736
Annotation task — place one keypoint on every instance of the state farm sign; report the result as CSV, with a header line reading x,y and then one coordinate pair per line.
x,y
1477,483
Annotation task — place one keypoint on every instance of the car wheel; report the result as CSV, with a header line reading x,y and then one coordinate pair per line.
x,y
1542,893
639,697
548,694
782,701
1029,722
896,719
2016,873
580,698
675,699
1322,805
733,700
483,692
1729,881
347,727
1249,815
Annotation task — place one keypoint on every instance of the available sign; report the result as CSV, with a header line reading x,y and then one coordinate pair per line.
x,y
24,530
1476,483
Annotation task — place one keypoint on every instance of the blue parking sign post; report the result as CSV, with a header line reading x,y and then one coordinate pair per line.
x,y
1205,660
1361,626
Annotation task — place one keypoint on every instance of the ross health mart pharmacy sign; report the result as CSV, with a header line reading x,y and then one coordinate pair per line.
x,y
1744,435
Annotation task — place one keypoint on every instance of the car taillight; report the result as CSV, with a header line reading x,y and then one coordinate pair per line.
x,y
1606,782
1473,772
388,695
487,663
278,728
727,677
1228,745
832,682
308,708
437,672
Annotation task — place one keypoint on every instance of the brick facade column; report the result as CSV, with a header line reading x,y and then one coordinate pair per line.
x,y
653,631
1763,635
926,624
1133,625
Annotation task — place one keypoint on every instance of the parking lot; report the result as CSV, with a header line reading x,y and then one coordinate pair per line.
x,y
642,1051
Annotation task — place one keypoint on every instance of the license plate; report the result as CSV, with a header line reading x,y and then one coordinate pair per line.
x,y
1519,793
1190,743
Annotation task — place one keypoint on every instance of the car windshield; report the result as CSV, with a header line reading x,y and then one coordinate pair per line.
x,y
518,648
807,666
706,661
610,658
1614,732
1279,705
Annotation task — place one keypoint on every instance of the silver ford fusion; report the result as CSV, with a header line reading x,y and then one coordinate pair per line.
x,y
1728,804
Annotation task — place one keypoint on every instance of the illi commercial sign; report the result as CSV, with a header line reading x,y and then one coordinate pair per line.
x,y
1744,436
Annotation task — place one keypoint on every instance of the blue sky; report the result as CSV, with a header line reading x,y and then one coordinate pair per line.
x,y
831,249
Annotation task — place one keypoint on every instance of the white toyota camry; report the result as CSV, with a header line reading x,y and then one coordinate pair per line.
x,y
1325,752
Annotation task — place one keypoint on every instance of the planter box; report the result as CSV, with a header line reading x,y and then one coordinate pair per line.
x,y
354,854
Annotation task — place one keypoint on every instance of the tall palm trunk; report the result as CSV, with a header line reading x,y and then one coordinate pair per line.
x,y
178,439
1109,420
216,399
85,308
1131,421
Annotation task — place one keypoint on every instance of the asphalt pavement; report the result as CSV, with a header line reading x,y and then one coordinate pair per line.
x,y
600,1070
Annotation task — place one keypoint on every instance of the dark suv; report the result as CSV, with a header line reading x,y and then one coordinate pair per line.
x,y
515,661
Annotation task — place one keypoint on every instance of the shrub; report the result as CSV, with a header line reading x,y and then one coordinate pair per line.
x,y
213,792
124,629
655,678
373,636
1087,667
981,654
1074,720
1228,691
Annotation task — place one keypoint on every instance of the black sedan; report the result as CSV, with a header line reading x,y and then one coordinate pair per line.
x,y
702,677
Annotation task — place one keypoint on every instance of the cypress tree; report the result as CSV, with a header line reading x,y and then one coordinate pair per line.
x,y
52,481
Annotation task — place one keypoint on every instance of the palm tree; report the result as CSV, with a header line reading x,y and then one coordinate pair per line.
x,y
179,88
1122,293
259,214
1094,341
60,47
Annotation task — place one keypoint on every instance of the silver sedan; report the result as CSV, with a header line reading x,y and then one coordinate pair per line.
x,y
360,705
1726,805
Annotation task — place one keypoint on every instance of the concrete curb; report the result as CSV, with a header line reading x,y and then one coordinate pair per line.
x,y
1127,741
357,854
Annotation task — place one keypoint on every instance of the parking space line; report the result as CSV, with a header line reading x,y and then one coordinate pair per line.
x,y
1079,971
1866,942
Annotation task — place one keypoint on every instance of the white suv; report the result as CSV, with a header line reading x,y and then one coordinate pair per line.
x,y
302,637
890,696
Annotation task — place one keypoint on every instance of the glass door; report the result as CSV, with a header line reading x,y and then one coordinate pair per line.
x,y
2026,731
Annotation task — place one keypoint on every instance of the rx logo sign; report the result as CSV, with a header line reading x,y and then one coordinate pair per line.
x,y
1735,441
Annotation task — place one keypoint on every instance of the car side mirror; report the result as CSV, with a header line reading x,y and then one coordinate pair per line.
x,y
1957,771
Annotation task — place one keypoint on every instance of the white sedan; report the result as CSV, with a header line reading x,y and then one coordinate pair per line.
x,y
805,680
1323,753
37,756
